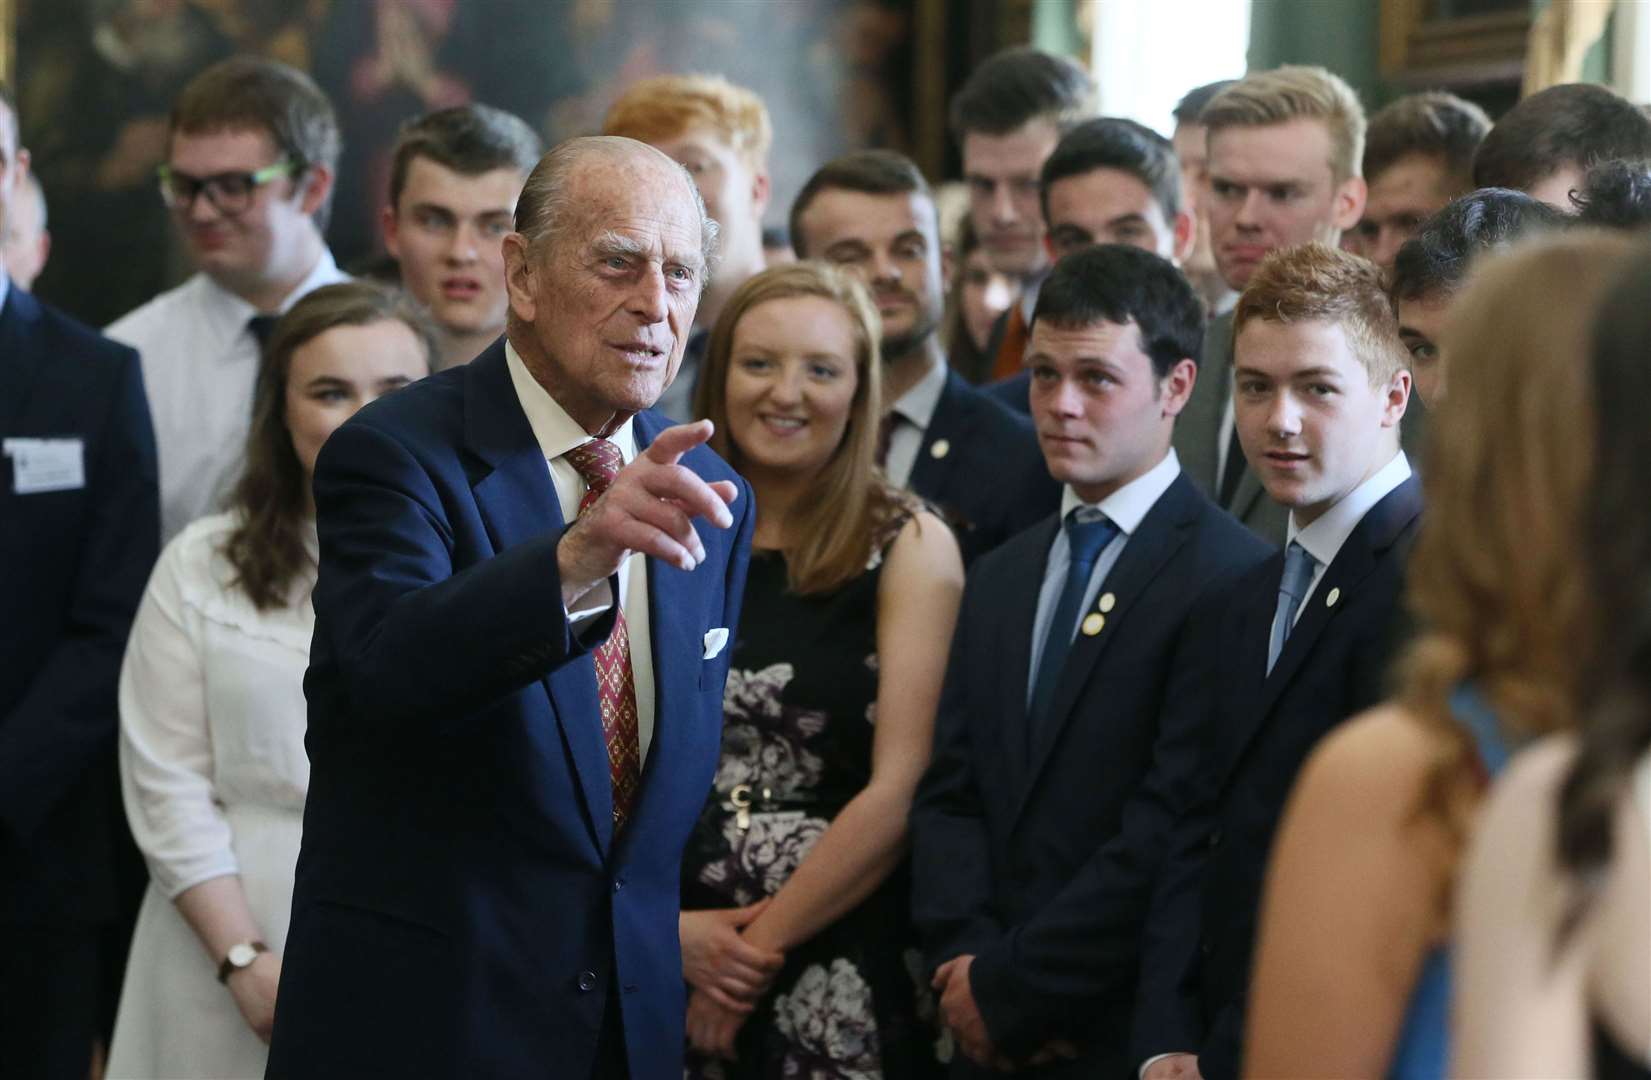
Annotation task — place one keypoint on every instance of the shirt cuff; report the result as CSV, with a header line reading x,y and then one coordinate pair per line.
x,y
1155,1059
590,607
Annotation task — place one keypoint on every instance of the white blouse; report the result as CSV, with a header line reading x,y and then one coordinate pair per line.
x,y
212,711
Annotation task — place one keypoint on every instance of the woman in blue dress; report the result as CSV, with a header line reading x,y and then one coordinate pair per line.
x,y
1352,973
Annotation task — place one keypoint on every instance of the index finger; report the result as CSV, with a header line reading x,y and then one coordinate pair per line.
x,y
673,442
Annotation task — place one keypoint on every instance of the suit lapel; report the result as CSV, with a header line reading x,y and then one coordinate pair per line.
x,y
930,474
1154,543
21,356
1360,555
1016,646
517,500
1198,430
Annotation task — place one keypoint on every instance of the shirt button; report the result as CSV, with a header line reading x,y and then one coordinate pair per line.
x,y
587,981
618,883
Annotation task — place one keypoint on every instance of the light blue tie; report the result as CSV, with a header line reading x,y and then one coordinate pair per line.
x,y
1292,589
1086,540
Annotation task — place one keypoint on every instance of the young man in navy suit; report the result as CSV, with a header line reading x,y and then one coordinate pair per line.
x,y
79,532
513,719
1320,387
1036,829
872,213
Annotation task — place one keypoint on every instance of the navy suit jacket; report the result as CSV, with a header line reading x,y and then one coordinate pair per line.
x,y
1039,858
1014,392
76,563
980,465
1259,730
463,907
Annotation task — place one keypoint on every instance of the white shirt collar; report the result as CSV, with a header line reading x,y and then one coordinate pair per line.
x,y
1029,296
1130,503
229,314
5,287
554,430
919,402
1325,536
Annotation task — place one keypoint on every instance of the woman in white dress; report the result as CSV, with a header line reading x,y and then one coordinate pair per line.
x,y
212,712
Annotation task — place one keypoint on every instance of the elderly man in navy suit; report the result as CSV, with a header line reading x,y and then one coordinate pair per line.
x,y
527,583
79,531
1321,383
1035,831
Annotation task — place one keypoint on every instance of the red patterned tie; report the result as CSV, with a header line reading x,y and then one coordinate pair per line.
x,y
598,461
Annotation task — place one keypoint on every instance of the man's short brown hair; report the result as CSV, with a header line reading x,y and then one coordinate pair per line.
x,y
1573,124
1295,92
1434,124
665,106
1318,283
869,172
468,139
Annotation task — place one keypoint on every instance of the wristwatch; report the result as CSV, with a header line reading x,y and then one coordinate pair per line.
x,y
241,955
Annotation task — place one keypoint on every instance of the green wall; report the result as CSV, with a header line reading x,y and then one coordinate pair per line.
x,y
1342,35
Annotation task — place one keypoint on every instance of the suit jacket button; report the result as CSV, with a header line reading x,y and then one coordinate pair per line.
x,y
1205,947
618,883
1215,839
587,981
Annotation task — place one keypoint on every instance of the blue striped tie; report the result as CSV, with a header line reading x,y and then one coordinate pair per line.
x,y
1292,589
1086,539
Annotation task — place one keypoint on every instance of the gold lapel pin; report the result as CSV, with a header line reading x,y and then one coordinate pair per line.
x,y
1093,624
940,448
1330,601
1107,603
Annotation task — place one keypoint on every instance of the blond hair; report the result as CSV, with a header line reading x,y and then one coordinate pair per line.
x,y
665,106
1318,283
1495,577
850,504
1295,92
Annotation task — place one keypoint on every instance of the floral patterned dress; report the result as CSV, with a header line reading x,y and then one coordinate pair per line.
x,y
798,716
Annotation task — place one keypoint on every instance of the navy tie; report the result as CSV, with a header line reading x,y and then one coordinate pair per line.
x,y
1292,589
1086,540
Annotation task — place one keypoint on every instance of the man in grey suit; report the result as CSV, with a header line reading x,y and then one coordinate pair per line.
x,y
1284,156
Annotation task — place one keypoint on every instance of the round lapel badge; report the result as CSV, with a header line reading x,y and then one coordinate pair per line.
x,y
1093,624
1107,603
940,448
1330,601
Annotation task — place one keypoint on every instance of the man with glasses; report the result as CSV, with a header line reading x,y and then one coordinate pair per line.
x,y
248,178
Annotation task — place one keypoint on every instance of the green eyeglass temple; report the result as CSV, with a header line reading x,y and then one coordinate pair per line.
x,y
231,185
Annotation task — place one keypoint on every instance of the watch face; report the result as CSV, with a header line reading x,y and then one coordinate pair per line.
x,y
243,954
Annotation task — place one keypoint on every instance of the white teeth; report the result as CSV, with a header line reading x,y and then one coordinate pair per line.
x,y
784,422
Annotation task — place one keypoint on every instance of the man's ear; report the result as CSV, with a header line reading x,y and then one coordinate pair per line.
x,y
948,262
1347,207
1176,387
318,181
519,272
761,191
1186,237
390,226
1397,397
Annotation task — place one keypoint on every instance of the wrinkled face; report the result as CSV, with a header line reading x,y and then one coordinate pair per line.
x,y
1421,327
1272,187
890,243
1002,174
1108,206
1103,417
606,307
14,166
338,371
1402,197
986,294
447,230
1555,188
1311,424
735,195
24,243
245,250
791,383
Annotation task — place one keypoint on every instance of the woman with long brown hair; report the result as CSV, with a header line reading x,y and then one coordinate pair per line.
x,y
795,934
212,711
1352,974
1555,908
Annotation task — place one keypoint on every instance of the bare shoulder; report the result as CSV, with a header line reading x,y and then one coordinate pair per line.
x,y
925,550
1369,769
1522,803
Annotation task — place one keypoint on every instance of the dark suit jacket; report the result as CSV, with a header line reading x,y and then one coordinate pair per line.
x,y
980,465
1259,729
1041,865
1015,391
76,563
463,907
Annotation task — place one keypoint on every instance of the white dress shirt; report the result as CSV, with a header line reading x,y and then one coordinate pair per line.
x,y
1126,508
557,433
200,363
1324,538
913,411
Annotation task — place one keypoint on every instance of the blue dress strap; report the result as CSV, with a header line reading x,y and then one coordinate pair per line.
x,y
1473,712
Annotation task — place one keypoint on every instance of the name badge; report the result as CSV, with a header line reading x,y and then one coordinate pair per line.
x,y
42,465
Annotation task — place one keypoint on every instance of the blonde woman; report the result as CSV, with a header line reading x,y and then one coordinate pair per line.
x,y
795,934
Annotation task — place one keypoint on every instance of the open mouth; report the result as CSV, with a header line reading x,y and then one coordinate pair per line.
x,y
782,425
460,288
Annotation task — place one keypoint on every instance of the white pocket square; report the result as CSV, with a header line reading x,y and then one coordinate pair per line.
x,y
714,641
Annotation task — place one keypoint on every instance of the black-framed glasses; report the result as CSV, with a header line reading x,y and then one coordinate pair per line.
x,y
229,193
